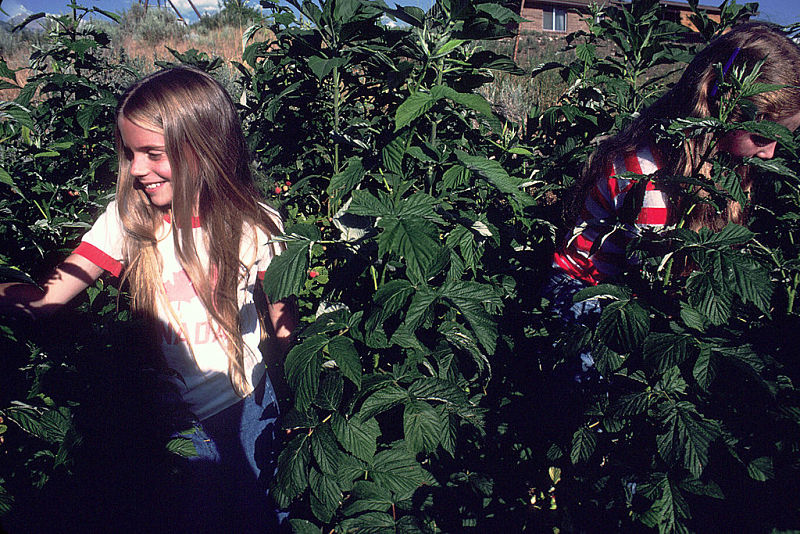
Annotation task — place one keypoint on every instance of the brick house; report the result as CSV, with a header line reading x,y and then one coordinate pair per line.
x,y
565,16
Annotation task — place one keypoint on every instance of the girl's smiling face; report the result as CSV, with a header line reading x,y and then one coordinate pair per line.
x,y
146,152
744,144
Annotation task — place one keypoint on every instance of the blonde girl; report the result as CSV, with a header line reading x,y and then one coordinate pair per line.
x,y
188,232
611,210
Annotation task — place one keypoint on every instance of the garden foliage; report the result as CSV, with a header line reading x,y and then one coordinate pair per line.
x,y
426,389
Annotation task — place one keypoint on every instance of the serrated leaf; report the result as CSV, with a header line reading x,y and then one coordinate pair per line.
x,y
324,449
416,105
663,350
584,442
761,469
182,447
287,273
303,366
344,353
623,325
368,496
422,426
411,238
344,182
704,370
398,471
687,437
357,436
708,297
322,66
302,526
325,495
383,399
370,523
292,474
390,298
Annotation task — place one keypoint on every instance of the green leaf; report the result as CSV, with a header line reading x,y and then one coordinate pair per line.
x,y
357,436
392,155
302,526
499,12
448,47
344,353
303,367
292,474
370,523
182,447
344,182
761,469
324,448
633,404
494,173
704,370
389,300
46,424
368,496
383,399
663,350
584,442
623,325
732,234
749,280
708,296
6,501
416,105
471,299
411,238
325,495
287,273
321,66
398,471
688,436
422,426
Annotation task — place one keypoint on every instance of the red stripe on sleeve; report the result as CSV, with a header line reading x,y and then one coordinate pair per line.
x,y
652,216
261,274
632,163
99,258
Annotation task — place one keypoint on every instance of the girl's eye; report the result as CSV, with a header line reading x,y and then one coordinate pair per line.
x,y
155,156
760,140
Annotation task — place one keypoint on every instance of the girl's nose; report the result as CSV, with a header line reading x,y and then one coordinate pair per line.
x,y
137,166
767,151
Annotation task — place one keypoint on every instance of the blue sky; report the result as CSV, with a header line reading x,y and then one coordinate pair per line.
x,y
778,11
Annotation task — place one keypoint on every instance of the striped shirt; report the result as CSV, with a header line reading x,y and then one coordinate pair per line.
x,y
595,251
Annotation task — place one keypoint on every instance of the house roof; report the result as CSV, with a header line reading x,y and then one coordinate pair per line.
x,y
586,3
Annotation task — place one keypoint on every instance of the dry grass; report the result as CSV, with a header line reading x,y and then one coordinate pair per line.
x,y
225,43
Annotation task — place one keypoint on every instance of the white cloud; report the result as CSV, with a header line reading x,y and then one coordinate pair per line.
x,y
203,6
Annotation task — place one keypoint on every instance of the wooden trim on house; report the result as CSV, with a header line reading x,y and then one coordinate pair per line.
x,y
566,16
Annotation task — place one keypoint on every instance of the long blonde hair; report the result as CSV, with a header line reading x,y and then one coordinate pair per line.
x,y
694,96
211,179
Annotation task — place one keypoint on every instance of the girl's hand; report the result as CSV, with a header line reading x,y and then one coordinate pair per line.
x,y
71,277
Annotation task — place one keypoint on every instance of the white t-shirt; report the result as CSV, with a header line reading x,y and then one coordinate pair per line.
x,y
188,339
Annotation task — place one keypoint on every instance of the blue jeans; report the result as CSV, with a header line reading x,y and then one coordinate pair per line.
x,y
225,487
560,290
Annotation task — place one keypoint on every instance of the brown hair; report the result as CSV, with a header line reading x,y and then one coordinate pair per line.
x,y
211,178
694,95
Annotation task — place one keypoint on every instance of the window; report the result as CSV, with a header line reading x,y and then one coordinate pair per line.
x,y
555,19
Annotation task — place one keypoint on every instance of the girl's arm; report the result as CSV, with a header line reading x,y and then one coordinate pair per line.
x,y
71,277
283,318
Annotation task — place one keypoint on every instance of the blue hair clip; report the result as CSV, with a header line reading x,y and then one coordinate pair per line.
x,y
725,70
